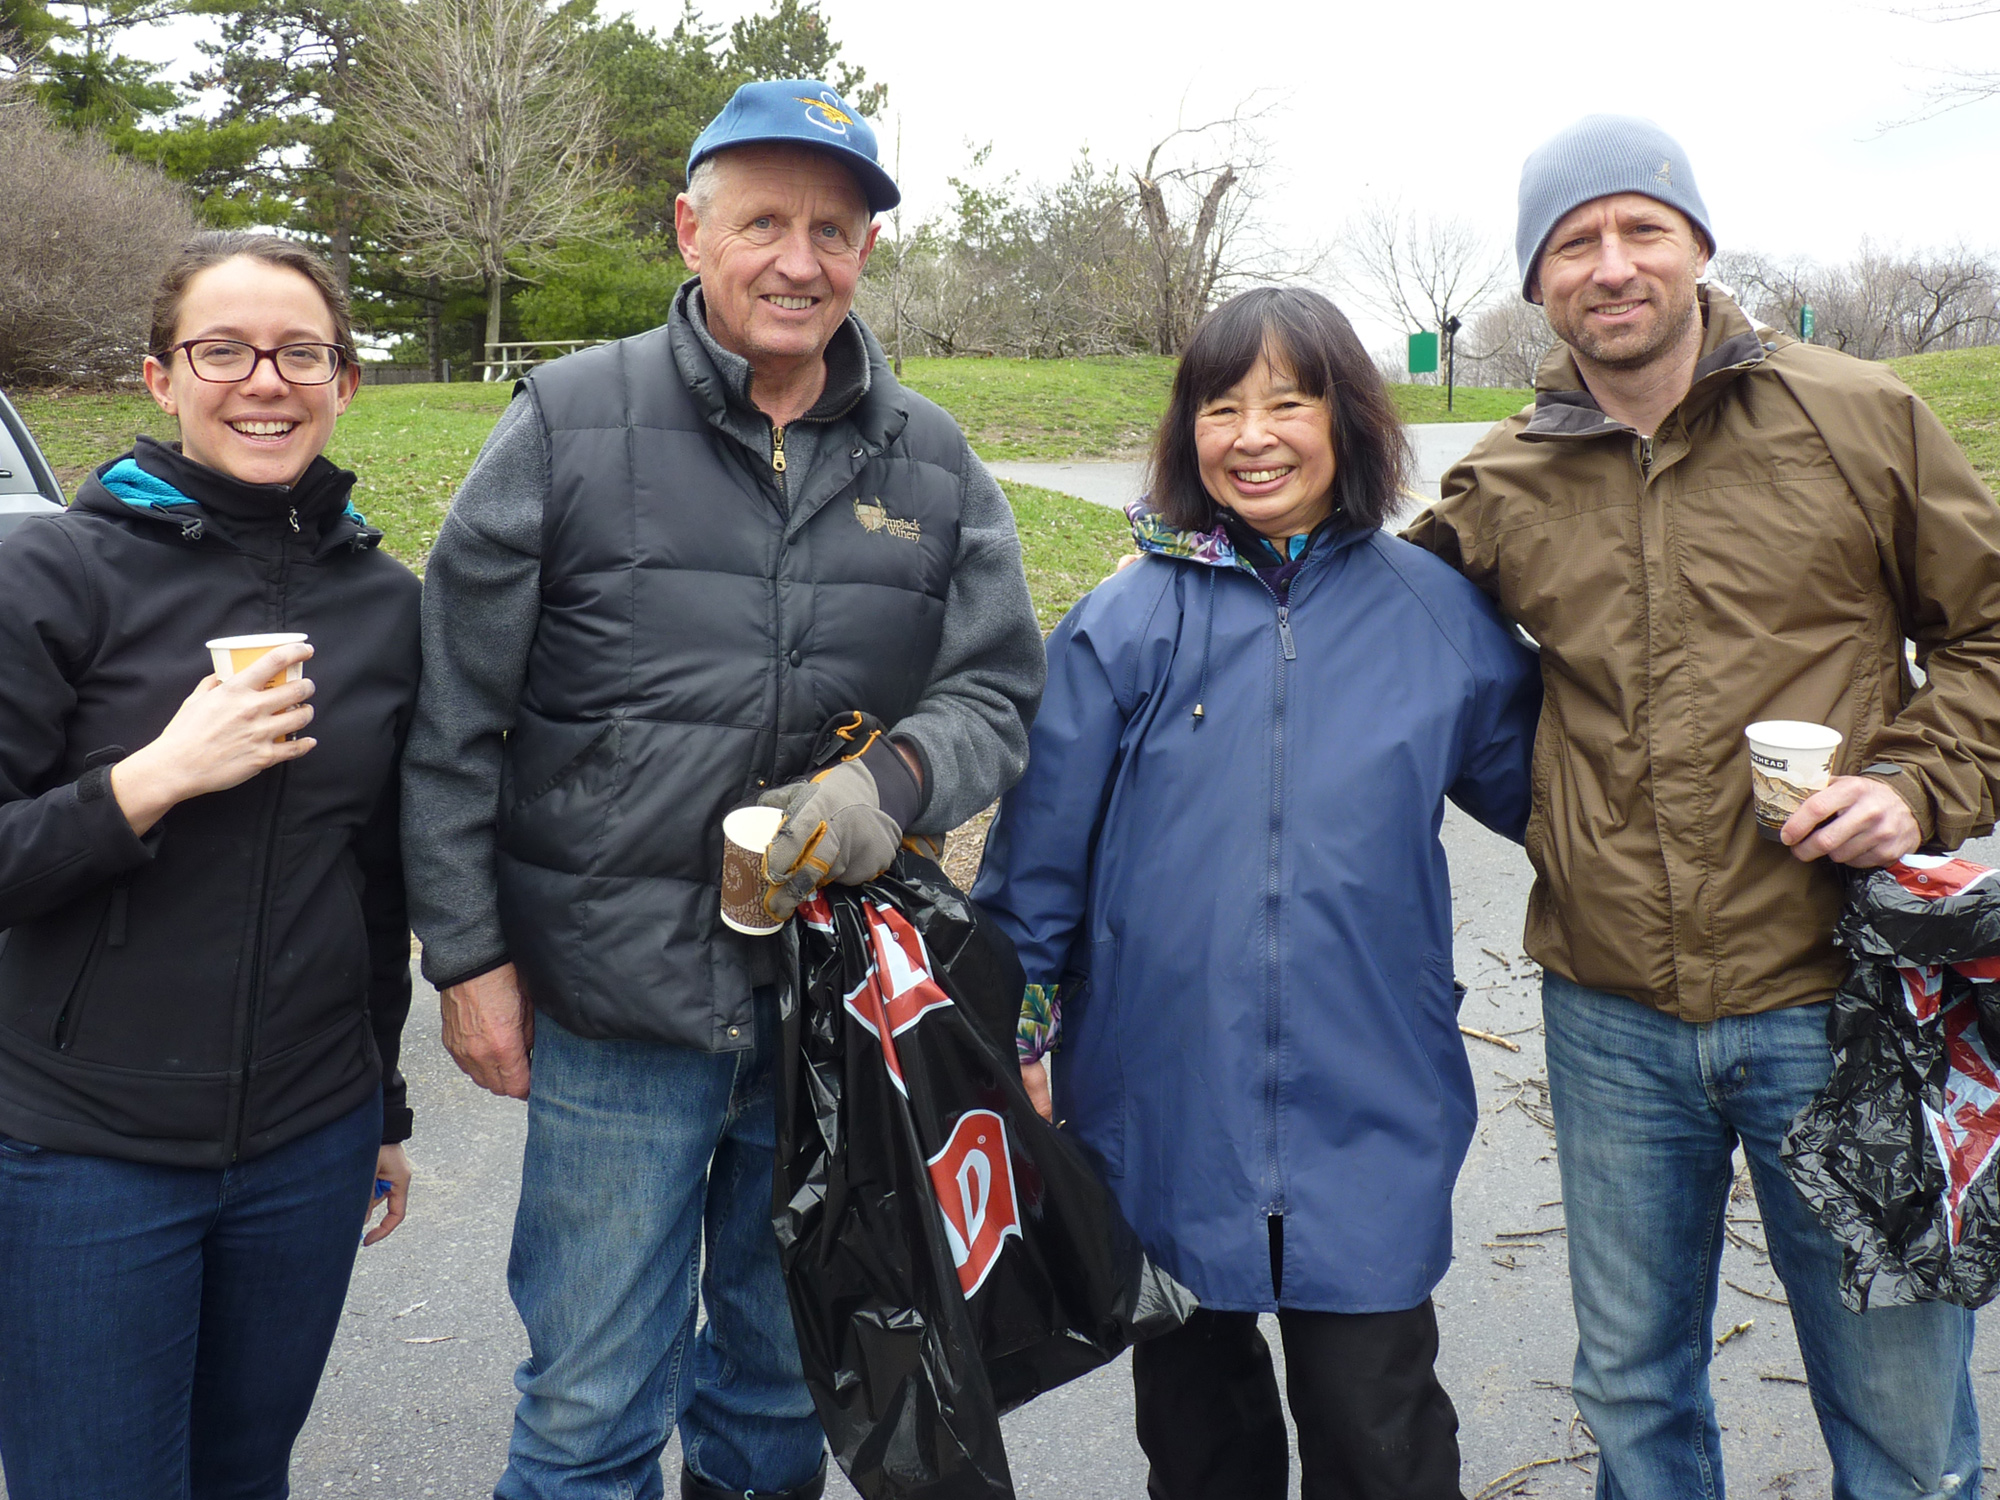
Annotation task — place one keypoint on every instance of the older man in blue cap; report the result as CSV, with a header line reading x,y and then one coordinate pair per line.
x,y
1705,522
679,559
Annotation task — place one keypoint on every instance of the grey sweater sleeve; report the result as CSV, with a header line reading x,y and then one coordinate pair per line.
x,y
971,727
482,598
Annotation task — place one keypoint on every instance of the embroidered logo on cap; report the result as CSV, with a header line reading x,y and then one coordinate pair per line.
x,y
1665,174
825,112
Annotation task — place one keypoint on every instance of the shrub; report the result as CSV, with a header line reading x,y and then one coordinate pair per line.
x,y
602,292
83,236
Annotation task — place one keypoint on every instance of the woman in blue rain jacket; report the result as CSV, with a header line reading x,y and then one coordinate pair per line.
x,y
1223,874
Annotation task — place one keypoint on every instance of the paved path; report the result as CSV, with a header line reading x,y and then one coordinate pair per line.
x,y
1438,446
418,1397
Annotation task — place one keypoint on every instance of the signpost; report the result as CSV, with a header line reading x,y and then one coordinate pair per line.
x,y
1423,353
1451,327
1806,322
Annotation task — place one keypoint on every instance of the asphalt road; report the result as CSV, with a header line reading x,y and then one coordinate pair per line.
x,y
418,1398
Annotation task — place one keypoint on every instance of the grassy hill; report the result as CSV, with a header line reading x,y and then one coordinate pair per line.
x,y
1963,388
412,444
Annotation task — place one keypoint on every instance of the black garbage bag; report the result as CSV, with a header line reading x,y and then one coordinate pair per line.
x,y
949,1254
1897,1154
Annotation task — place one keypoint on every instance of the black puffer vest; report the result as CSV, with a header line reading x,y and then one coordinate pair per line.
x,y
694,635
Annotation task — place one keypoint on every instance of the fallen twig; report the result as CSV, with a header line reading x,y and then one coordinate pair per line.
x,y
1744,1327
1784,1379
1510,1479
441,1338
1500,958
1529,1234
1760,1296
1488,1036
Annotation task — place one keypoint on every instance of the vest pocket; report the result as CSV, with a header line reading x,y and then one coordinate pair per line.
x,y
556,774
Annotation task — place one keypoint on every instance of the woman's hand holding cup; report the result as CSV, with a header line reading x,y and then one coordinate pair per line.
x,y
225,732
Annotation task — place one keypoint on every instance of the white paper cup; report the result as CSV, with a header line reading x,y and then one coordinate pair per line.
x,y
234,653
746,834
1789,761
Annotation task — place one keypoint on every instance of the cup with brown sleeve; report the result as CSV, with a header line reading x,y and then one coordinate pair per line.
x,y
746,835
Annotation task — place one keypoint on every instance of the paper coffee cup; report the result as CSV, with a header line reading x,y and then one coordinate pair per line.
x,y
746,834
234,653
1789,761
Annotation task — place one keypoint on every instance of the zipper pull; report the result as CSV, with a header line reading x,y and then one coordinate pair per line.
x,y
292,515
777,448
1646,456
1285,632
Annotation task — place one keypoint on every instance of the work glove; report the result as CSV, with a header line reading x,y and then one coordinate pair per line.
x,y
844,822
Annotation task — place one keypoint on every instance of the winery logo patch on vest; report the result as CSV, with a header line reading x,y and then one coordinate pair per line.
x,y
874,516
974,1180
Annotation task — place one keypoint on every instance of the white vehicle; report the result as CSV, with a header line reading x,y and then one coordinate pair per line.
x,y
27,483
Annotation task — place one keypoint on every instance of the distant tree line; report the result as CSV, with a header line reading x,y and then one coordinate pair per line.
x,y
474,169
1106,259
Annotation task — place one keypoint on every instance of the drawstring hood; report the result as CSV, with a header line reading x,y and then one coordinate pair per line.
x,y
160,482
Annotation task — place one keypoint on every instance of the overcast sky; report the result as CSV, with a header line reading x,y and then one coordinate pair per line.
x,y
1782,105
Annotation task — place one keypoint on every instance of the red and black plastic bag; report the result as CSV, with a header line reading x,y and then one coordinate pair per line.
x,y
949,1254
1897,1154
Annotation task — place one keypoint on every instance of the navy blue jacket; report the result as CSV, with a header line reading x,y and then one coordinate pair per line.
x,y
1249,909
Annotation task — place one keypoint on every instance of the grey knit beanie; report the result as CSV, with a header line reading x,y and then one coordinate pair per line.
x,y
1597,156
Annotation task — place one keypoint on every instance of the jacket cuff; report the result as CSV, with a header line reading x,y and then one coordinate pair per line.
x,y
446,981
396,1126
1910,787
1040,1025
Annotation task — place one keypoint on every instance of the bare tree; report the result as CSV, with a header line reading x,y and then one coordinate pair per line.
x,y
1880,304
83,234
1953,88
1422,269
482,140
1505,345
1195,213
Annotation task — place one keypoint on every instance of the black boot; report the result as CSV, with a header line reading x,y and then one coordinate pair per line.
x,y
693,1488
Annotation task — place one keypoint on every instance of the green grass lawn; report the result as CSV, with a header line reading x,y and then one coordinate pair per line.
x,y
1963,388
412,444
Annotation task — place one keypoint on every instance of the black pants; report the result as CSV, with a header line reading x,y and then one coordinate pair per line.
x,y
1374,1424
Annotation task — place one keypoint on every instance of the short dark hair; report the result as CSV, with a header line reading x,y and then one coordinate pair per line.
x,y
214,246
1316,344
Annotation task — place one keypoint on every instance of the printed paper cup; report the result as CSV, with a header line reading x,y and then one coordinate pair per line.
x,y
746,834
1789,761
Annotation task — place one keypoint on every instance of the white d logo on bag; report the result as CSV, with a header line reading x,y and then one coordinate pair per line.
x,y
974,1180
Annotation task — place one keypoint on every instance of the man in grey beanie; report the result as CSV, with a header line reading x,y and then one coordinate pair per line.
x,y
1705,523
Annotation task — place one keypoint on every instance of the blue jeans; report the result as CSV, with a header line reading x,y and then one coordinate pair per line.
x,y
641,1156
1647,1110
163,1329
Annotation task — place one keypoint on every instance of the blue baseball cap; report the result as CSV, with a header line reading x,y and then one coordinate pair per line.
x,y
799,112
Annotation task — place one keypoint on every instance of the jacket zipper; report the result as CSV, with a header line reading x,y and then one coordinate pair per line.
x,y
777,634
1273,900
1646,457
253,1006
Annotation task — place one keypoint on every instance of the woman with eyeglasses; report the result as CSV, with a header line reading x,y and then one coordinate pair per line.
x,y
204,963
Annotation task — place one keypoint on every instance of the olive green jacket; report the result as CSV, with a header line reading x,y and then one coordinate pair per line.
x,y
1762,556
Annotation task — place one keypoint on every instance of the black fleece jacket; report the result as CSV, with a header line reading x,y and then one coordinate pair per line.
x,y
239,976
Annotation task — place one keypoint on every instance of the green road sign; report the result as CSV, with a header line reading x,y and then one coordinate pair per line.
x,y
1423,353
1806,322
